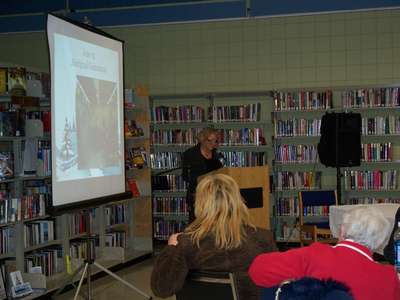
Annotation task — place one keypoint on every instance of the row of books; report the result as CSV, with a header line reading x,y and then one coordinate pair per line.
x,y
115,239
381,125
302,100
191,113
376,152
371,180
35,205
307,180
169,205
164,228
313,211
76,224
78,250
165,160
297,127
51,261
10,211
287,206
242,136
7,267
168,183
370,200
177,114
235,113
115,214
7,240
38,232
44,158
376,97
175,136
37,186
20,82
296,153
243,159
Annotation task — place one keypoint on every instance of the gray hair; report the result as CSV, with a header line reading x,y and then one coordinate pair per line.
x,y
366,226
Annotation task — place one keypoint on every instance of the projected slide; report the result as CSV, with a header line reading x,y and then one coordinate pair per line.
x,y
90,104
87,113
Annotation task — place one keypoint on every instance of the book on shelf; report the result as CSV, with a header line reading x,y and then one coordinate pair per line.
x,y
136,158
34,84
132,129
10,210
129,99
12,123
17,81
133,186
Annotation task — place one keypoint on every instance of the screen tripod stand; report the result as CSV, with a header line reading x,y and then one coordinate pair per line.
x,y
87,266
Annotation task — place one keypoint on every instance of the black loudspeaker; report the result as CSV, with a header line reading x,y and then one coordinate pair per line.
x,y
340,131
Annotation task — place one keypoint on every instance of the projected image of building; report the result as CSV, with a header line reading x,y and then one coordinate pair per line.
x,y
96,107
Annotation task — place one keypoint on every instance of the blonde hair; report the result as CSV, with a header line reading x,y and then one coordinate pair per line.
x,y
205,133
220,212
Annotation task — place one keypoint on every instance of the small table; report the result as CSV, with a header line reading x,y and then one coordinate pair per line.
x,y
336,217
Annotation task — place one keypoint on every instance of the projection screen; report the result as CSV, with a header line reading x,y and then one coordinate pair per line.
x,y
87,112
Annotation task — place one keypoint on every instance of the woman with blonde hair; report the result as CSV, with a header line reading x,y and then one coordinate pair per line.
x,y
221,238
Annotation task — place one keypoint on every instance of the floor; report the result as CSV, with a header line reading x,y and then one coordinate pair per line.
x,y
108,288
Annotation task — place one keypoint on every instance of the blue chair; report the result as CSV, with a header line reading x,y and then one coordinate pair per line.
x,y
315,205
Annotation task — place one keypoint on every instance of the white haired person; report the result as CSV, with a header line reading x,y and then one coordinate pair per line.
x,y
350,261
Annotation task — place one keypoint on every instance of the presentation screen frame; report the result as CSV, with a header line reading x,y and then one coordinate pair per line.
x,y
83,182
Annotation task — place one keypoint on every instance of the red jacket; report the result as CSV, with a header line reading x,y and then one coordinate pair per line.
x,y
347,262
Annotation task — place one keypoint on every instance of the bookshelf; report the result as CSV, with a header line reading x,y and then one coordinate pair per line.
x,y
296,122
29,235
243,127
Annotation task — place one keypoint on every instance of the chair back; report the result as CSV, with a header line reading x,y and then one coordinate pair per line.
x,y
309,200
209,285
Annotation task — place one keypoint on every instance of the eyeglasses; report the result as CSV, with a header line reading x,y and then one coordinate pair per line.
x,y
212,141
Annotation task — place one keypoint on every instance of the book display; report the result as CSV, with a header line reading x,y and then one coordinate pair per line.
x,y
297,120
240,120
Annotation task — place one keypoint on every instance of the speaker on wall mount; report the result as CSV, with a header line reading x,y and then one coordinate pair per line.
x,y
340,142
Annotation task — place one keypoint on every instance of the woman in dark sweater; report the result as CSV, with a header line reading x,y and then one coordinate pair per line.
x,y
197,161
221,238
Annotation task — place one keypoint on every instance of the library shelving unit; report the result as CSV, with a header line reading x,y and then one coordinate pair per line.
x,y
296,121
241,120
30,237
377,179
296,130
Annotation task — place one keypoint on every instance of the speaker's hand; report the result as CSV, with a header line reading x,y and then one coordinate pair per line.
x,y
173,239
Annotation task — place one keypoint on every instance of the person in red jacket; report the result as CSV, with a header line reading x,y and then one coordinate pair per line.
x,y
350,261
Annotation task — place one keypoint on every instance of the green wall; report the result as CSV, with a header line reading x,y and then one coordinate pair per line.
x,y
325,50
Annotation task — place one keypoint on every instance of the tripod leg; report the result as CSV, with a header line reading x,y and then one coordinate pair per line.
x,y
121,280
69,280
80,281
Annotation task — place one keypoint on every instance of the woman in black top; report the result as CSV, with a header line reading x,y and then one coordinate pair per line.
x,y
389,249
198,161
